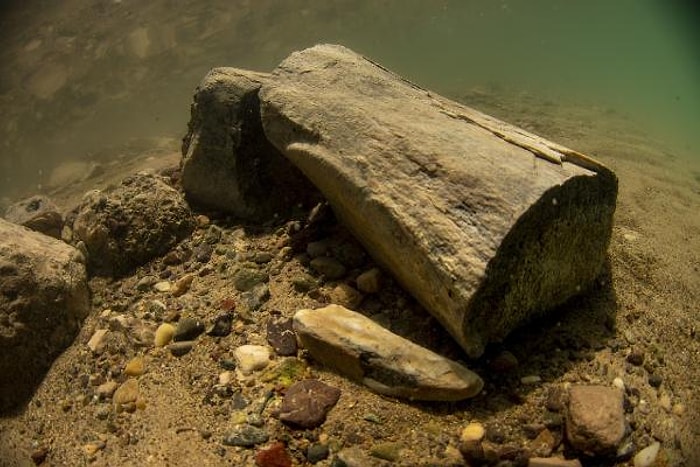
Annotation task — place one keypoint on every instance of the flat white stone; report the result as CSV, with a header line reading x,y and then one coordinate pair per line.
x,y
251,358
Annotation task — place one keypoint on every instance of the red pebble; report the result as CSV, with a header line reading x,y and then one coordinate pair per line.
x,y
274,456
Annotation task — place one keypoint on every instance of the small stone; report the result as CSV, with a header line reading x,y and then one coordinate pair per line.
x,y
225,378
39,455
317,452
530,379
250,358
106,390
619,384
504,362
281,336
345,295
553,462
274,456
329,267
556,399
221,327
647,456
182,285
543,445
358,347
353,457
97,341
388,451
246,436
655,380
188,329
202,221
202,253
135,367
162,286
254,299
287,372
246,278
307,402
126,395
145,283
164,334
369,281
595,423
92,448
178,349
665,402
262,257
636,357
304,283
475,431
678,409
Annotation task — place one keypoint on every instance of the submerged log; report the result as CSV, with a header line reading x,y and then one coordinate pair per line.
x,y
485,224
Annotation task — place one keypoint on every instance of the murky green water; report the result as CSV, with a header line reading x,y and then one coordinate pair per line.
x,y
86,79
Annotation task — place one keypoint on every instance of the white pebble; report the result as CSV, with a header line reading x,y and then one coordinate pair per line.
x,y
530,379
619,384
96,342
251,358
473,432
647,456
163,286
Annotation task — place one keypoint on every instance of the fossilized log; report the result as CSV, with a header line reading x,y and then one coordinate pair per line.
x,y
485,224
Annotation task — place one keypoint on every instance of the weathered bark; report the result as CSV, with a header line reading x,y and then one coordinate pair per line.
x,y
484,223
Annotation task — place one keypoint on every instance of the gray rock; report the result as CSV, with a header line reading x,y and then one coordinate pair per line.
x,y
228,165
306,403
499,224
246,278
329,267
221,327
178,349
317,452
595,419
44,299
356,346
246,436
38,213
135,222
188,329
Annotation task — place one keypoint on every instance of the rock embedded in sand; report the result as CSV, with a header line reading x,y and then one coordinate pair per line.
x,y
127,226
281,336
44,299
246,436
126,395
135,367
306,403
329,267
595,419
164,334
369,281
188,329
356,346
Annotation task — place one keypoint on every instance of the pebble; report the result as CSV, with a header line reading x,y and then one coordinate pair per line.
x,y
595,423
250,358
504,362
318,248
647,456
281,336
246,436
552,462
679,409
221,327
473,432
106,390
164,334
246,278
126,395
388,451
306,403
188,329
287,372
178,349
655,380
274,456
145,283
530,379
636,357
162,286
353,457
345,295
329,267
304,282
619,384
182,285
370,281
665,402
317,452
135,366
97,341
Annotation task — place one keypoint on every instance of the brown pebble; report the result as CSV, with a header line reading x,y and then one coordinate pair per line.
x,y
135,367
307,402
274,456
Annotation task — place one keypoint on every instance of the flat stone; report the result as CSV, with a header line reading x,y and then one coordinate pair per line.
x,y
246,279
221,327
106,389
135,367
178,349
96,342
250,358
307,402
359,348
281,336
553,462
595,420
246,436
182,285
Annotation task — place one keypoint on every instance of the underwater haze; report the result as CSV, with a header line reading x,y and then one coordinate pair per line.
x,y
86,80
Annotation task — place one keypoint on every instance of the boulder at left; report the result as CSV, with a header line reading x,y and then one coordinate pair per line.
x,y
43,301
126,227
37,213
